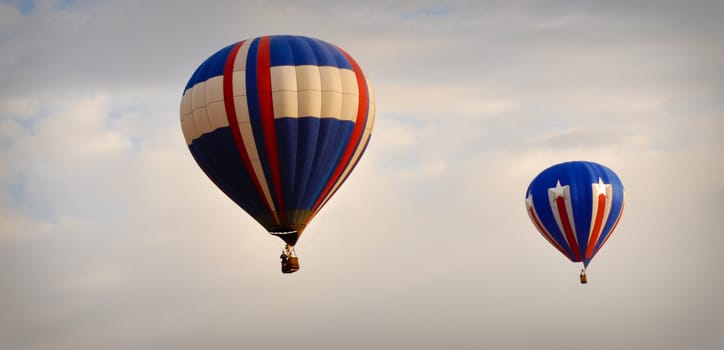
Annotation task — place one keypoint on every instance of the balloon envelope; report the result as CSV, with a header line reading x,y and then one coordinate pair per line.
x,y
278,123
576,206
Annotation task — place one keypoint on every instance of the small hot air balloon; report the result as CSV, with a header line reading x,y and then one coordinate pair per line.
x,y
576,206
278,123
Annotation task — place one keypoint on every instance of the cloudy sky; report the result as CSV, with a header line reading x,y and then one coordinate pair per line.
x,y
112,238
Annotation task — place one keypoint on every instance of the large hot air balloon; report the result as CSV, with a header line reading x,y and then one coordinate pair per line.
x,y
576,206
278,123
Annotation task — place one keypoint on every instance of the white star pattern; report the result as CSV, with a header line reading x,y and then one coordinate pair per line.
x,y
600,187
558,190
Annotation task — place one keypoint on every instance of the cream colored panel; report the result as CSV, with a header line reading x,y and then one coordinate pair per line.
x,y
350,103
283,78
249,143
310,103
186,103
202,121
331,104
349,82
330,79
242,109
285,104
372,108
238,85
256,164
308,78
189,128
217,115
215,89
198,96
240,63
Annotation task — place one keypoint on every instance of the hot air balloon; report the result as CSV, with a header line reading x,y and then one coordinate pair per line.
x,y
576,206
278,123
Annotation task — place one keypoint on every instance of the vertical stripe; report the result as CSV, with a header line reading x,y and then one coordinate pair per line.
x,y
244,106
266,108
359,126
567,229
234,124
597,224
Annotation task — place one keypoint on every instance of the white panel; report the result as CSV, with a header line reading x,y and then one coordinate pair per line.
x,y
283,78
372,108
310,103
330,79
350,99
247,135
217,115
242,109
256,164
240,63
594,211
238,83
249,143
609,202
349,107
215,89
198,95
349,82
186,103
308,78
331,104
371,118
202,121
285,104
189,128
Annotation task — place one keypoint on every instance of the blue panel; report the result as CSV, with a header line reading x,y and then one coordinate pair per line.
x,y
329,55
308,139
213,66
581,176
297,50
309,149
297,141
286,133
290,51
218,156
334,136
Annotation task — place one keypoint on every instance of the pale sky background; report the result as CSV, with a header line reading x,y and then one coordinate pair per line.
x,y
112,238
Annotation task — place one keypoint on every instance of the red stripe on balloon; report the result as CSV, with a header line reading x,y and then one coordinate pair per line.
x,y
230,108
266,108
597,225
567,229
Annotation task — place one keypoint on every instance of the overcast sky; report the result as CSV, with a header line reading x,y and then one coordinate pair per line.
x,y
112,238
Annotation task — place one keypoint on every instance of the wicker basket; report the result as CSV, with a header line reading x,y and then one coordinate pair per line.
x,y
290,264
